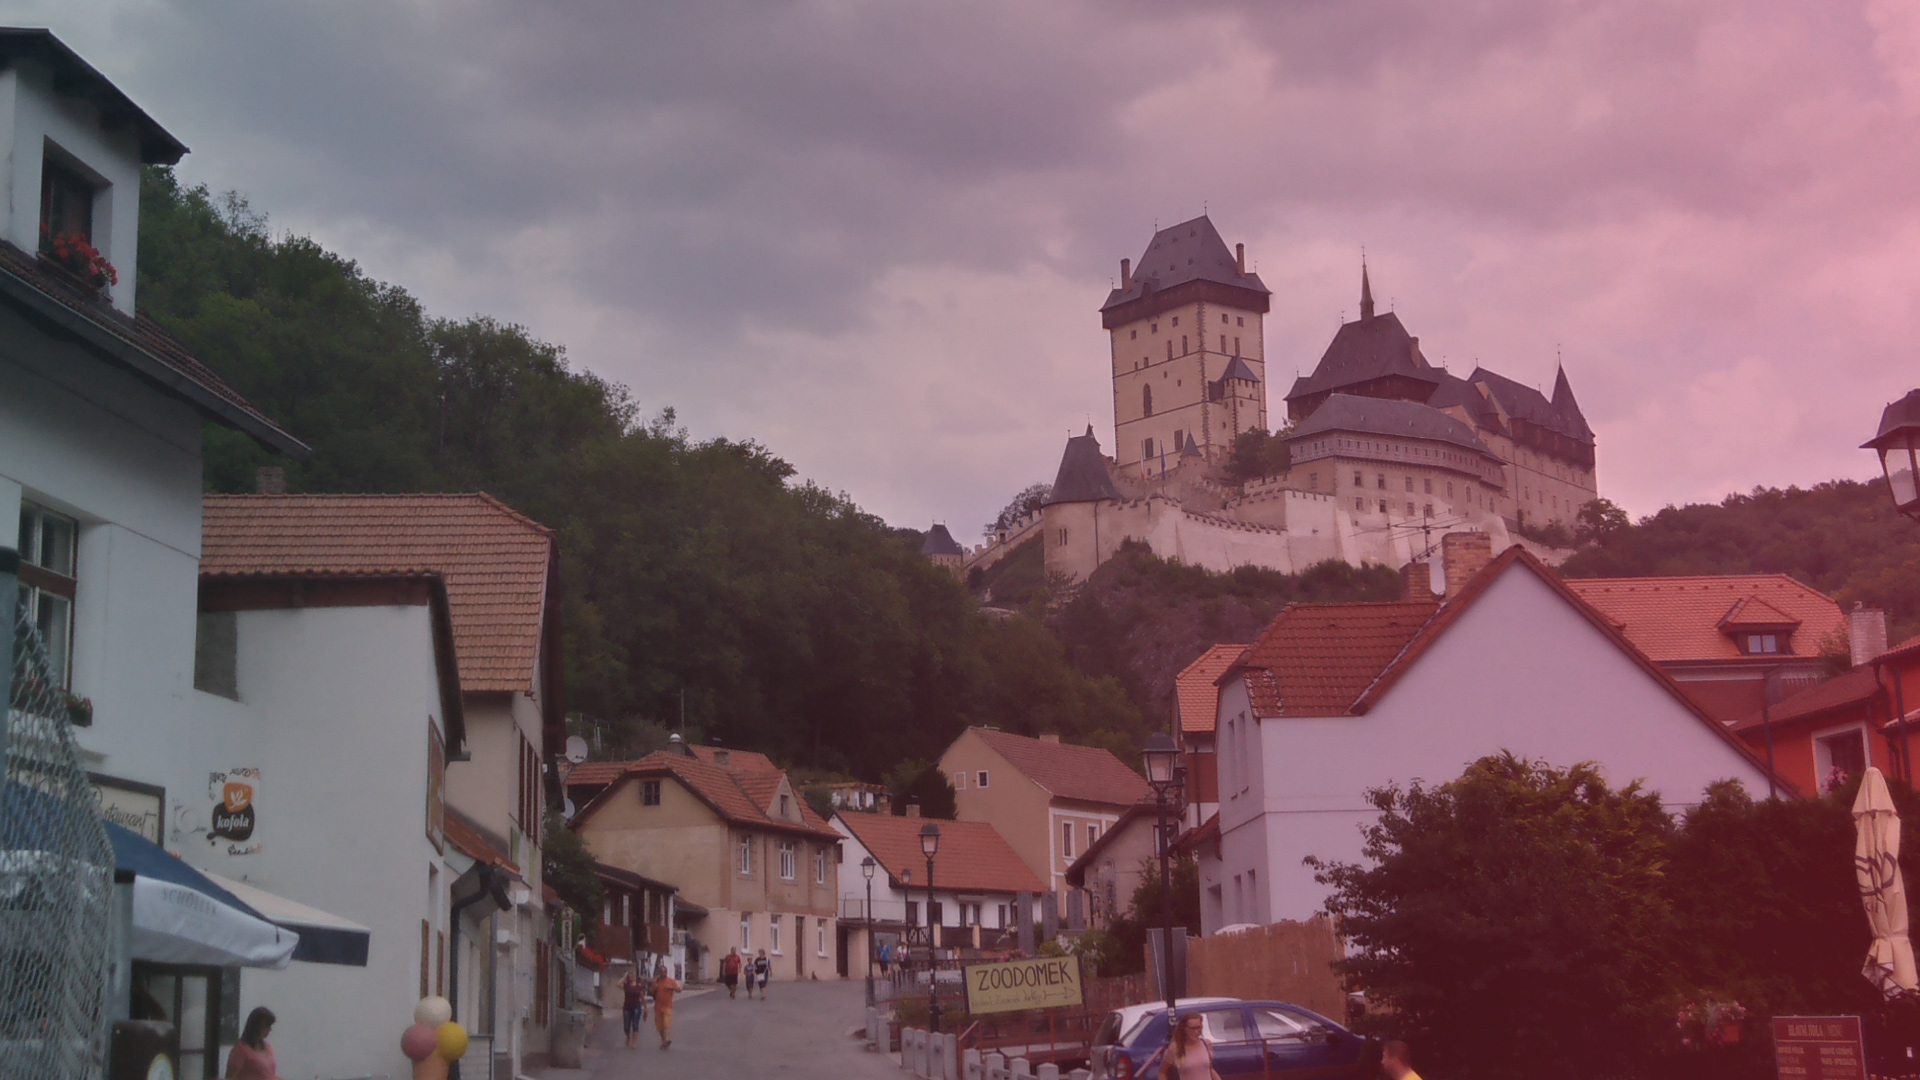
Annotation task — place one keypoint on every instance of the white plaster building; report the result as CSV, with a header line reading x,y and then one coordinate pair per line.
x,y
1334,699
978,881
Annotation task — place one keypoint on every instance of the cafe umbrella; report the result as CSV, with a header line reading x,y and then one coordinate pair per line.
x,y
1883,892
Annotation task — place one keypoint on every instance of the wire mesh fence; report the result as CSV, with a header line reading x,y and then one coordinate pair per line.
x,y
56,875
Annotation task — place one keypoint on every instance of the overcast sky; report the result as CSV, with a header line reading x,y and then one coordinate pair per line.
x,y
874,234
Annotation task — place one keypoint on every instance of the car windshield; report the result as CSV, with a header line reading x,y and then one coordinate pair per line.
x,y
1109,1028
1133,1033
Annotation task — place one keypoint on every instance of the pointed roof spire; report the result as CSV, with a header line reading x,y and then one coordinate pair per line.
x,y
1366,292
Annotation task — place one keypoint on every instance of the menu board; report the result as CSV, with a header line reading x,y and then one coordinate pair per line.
x,y
1819,1048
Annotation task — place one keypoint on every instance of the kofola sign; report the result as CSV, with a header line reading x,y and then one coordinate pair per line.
x,y
1049,982
1819,1048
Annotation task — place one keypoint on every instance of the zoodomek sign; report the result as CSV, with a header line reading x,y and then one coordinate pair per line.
x,y
1049,982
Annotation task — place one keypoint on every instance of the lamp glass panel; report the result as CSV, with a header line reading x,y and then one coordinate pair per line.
x,y
1159,765
1897,461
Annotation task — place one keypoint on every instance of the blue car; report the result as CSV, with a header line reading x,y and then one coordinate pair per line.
x,y
1250,1038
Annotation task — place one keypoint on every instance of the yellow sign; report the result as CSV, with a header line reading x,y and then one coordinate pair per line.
x,y
1048,982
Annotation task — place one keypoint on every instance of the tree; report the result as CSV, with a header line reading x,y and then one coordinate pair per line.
x,y
1024,505
1122,948
1257,453
1513,921
568,866
1598,521
922,784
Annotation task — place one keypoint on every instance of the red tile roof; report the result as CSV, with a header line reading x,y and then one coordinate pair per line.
x,y
1082,773
463,835
743,798
1196,693
744,761
1316,659
973,856
1679,619
1849,691
499,566
1077,873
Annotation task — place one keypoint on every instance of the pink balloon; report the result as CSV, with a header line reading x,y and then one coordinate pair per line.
x,y
419,1042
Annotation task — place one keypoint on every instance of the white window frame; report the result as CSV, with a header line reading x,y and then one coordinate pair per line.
x,y
1066,840
45,604
1823,758
960,780
786,860
980,779
820,937
773,934
746,856
820,866
746,933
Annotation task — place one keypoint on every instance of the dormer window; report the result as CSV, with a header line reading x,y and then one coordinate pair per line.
x,y
1760,644
66,202
1757,628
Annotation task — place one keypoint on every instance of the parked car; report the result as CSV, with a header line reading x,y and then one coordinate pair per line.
x,y
1250,1038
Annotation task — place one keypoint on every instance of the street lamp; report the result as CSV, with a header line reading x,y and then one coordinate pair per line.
x,y
866,869
1898,443
929,846
1161,754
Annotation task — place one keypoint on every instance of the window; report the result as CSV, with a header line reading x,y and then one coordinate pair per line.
x,y
1146,404
1133,335
1176,320
746,933
1169,348
1360,505
820,866
1223,339
1383,506
1429,485
529,819
1449,489
215,654
1275,1024
1225,1025
66,201
1313,481
1409,483
820,937
913,913
1003,916
786,860
47,556
1179,440
626,909
1762,644
1236,346
773,934
960,781
1153,328
1239,320
937,912
1426,510
1380,481
1146,449
1183,342
1223,318
649,793
1066,839
1409,509
1093,834
1063,538
1840,756
1359,480
746,855
980,779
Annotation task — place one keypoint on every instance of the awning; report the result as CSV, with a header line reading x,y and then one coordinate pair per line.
x,y
324,938
181,917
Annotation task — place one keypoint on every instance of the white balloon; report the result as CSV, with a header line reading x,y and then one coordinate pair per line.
x,y
432,1011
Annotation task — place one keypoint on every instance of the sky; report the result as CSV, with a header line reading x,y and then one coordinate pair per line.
x,y
874,235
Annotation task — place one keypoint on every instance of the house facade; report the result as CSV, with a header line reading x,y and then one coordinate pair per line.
x,y
728,830
1112,868
1196,705
1334,699
1050,800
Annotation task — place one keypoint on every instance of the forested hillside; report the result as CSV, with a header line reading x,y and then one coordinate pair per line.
x,y
1843,538
793,622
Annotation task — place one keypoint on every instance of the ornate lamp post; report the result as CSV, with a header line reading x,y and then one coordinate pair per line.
x,y
866,870
1161,755
929,846
1898,443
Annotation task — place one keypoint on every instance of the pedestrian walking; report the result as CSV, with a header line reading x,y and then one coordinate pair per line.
x,y
633,1007
762,968
886,956
1189,1056
252,1057
730,972
664,987
1396,1060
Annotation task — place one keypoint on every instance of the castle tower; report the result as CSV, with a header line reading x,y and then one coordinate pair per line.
x,y
1189,360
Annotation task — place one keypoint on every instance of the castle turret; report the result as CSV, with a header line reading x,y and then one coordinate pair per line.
x,y
942,549
1070,534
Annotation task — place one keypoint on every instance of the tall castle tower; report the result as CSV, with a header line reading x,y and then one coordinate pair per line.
x,y
1189,361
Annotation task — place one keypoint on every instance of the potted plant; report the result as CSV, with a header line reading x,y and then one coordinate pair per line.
x,y
76,258
79,709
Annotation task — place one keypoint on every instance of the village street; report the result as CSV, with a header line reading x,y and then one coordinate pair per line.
x,y
800,1031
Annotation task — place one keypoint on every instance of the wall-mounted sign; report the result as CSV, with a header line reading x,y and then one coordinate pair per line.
x,y
1048,982
132,805
1819,1048
436,787
234,822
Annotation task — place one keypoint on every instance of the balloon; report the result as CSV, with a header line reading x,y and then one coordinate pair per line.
x,y
419,1042
452,1040
432,1011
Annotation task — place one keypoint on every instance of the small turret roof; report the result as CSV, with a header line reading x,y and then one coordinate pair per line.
x,y
940,542
1189,251
1083,473
1238,369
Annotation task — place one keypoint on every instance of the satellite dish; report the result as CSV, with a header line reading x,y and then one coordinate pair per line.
x,y
576,749
566,809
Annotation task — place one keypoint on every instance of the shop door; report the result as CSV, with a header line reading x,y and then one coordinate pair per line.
x,y
188,998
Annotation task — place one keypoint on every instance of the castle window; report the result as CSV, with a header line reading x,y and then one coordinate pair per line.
x,y
1409,483
1449,489
1360,505
1183,342
1429,483
1380,481
1409,509
1313,481
1223,343
1383,506
1427,510
1146,449
1169,348
1223,318
1153,328
1133,335
66,201
1240,320
1236,346
1063,538
1176,320
1146,402
1178,442
1358,480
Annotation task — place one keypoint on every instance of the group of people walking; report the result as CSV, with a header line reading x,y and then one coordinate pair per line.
x,y
633,1011
755,969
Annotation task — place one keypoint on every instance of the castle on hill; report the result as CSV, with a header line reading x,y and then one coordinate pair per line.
x,y
1388,452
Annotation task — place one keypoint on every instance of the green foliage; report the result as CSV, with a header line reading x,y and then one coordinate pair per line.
x,y
568,867
1018,580
1256,454
1598,521
784,617
1123,951
923,784
1028,502
1842,537
1514,921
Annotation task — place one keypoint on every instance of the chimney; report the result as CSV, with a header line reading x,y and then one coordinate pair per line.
x,y
913,809
721,758
1464,555
1126,274
1240,255
1050,737
1418,579
1866,633
270,480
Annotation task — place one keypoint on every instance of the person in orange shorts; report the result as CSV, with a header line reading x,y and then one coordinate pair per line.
x,y
664,987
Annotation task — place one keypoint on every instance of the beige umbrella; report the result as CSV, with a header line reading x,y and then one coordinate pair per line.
x,y
1876,866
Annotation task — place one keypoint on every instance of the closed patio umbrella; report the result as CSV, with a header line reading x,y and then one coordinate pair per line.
x,y
1876,866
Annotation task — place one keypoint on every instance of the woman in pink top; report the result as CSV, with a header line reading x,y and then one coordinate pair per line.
x,y
1188,1057
251,1058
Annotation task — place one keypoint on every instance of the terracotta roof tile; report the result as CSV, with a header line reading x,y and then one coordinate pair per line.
x,y
738,760
1082,773
495,562
1678,619
1317,659
461,834
1196,689
973,856
1851,690
739,797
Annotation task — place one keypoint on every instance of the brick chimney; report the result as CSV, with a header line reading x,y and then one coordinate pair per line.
x,y
1051,737
1126,274
1463,555
913,809
1417,577
1866,633
1240,256
270,480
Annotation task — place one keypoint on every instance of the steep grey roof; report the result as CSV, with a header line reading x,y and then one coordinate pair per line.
x,y
1238,369
1361,351
1083,473
1564,404
1523,402
1191,449
1189,251
1454,390
1386,416
940,542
